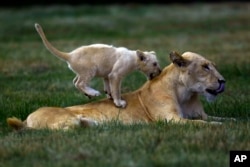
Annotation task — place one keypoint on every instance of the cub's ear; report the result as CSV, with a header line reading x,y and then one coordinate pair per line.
x,y
141,55
152,52
178,60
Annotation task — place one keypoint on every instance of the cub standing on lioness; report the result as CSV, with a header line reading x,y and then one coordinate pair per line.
x,y
105,61
171,96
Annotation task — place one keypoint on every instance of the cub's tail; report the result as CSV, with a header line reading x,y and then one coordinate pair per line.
x,y
16,123
52,49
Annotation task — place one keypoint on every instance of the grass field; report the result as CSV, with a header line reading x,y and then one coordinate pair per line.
x,y
30,77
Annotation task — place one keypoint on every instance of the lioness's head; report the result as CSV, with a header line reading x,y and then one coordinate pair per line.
x,y
198,74
148,63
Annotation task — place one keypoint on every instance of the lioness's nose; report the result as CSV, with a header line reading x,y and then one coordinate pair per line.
x,y
221,81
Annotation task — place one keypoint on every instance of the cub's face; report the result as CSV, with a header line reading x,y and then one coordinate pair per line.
x,y
200,75
148,64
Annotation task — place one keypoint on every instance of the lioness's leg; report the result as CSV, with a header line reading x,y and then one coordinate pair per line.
x,y
176,118
199,121
213,118
115,84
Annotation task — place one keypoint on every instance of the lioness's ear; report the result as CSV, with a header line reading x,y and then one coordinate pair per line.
x,y
177,59
141,55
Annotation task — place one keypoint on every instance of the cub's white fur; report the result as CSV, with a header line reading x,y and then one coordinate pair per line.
x,y
105,61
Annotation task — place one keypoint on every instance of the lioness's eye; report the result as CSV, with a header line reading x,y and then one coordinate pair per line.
x,y
206,67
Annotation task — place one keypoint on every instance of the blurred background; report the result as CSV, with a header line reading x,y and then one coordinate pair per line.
x,y
14,3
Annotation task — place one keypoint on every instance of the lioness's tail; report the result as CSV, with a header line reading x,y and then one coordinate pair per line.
x,y
16,123
52,49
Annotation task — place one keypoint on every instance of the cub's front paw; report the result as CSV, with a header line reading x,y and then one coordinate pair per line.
x,y
120,103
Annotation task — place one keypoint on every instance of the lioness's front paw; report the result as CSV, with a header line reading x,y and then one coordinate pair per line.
x,y
232,119
215,123
120,103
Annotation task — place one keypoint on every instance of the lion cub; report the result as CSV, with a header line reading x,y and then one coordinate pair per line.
x,y
105,61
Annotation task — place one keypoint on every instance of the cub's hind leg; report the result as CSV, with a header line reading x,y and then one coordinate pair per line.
x,y
81,83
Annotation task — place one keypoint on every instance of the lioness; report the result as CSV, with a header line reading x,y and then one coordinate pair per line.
x,y
172,96
105,61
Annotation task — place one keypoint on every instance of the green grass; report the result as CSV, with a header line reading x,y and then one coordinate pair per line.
x,y
30,77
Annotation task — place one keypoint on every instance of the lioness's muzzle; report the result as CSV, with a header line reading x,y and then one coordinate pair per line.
x,y
221,87
219,90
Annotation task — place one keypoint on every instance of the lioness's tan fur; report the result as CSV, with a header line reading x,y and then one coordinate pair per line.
x,y
172,96
106,61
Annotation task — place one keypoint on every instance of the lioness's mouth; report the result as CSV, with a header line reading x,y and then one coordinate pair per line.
x,y
217,91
